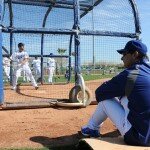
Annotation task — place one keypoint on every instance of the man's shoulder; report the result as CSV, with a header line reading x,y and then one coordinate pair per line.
x,y
125,72
15,52
139,66
51,59
25,52
36,61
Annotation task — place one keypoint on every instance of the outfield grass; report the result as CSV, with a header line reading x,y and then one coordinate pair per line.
x,y
62,79
89,77
71,147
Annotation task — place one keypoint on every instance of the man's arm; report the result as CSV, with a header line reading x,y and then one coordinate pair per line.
x,y
24,61
112,88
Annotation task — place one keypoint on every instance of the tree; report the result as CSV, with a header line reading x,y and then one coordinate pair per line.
x,y
61,51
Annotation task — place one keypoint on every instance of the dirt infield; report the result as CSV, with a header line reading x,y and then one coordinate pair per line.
x,y
27,93
48,127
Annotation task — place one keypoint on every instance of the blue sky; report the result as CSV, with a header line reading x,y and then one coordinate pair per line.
x,y
144,13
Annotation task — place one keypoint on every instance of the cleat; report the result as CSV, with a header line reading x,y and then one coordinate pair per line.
x,y
36,87
14,88
87,132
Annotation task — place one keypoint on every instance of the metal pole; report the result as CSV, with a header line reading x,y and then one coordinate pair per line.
x,y
1,66
70,44
11,35
42,44
93,39
77,40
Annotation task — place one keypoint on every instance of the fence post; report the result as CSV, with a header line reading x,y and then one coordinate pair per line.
x,y
1,67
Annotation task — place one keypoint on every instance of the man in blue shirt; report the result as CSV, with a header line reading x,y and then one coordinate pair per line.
x,y
125,98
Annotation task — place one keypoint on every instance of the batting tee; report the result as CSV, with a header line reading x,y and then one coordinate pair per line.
x,y
83,36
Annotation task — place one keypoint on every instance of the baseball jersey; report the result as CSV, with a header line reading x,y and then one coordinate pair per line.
x,y
133,82
51,62
36,63
6,62
19,57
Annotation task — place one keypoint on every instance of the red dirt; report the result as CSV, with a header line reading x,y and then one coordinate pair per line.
x,y
46,127
27,93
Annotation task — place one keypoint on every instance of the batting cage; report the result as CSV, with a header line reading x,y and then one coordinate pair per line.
x,y
69,48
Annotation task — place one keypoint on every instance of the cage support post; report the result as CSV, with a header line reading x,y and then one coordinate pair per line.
x,y
77,40
1,66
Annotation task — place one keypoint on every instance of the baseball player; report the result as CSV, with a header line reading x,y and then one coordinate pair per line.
x,y
51,68
125,98
22,57
36,63
6,67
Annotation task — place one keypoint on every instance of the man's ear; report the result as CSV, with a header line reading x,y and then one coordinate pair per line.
x,y
135,55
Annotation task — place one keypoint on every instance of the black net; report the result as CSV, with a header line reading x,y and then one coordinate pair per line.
x,y
116,16
49,27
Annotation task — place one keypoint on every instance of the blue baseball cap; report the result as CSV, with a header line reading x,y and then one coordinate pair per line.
x,y
134,45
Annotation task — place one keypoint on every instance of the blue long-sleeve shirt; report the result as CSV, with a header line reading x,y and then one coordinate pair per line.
x,y
134,83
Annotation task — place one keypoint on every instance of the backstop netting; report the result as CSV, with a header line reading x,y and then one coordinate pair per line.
x,y
82,38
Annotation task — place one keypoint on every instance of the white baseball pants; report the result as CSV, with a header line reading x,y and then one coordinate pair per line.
x,y
25,77
27,71
50,74
113,109
7,71
37,72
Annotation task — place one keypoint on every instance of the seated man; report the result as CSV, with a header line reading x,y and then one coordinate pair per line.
x,y
130,112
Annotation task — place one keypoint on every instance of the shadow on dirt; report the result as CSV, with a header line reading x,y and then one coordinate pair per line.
x,y
69,142
112,134
63,142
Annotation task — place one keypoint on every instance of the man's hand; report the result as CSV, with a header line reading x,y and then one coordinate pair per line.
x,y
24,61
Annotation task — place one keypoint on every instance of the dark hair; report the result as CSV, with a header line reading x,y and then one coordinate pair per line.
x,y
143,57
20,44
140,55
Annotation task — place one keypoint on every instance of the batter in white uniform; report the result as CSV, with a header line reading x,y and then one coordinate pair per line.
x,y
51,68
22,57
36,63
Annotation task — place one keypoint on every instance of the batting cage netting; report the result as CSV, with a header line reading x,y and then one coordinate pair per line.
x,y
66,40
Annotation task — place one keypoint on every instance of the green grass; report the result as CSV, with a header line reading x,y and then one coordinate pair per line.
x,y
96,77
71,147
62,79
25,149
89,77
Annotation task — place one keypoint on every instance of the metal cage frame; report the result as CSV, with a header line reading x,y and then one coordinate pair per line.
x,y
75,32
